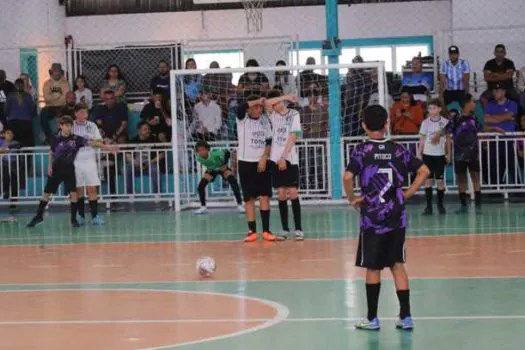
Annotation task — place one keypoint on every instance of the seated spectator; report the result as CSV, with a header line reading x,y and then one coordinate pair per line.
x,y
499,70
112,116
145,160
69,108
284,80
115,81
521,87
207,118
314,116
253,83
6,87
83,92
520,144
406,115
28,86
454,77
20,111
308,76
157,114
54,90
162,80
417,83
192,84
10,167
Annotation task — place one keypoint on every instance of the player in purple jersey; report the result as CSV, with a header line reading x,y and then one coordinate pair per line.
x,y
383,167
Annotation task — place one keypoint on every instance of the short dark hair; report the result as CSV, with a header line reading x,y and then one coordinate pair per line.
x,y
274,93
66,119
252,63
157,91
201,144
253,98
81,106
466,98
141,124
375,117
435,102
500,46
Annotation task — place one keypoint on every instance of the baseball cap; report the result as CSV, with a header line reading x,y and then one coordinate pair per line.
x,y
453,50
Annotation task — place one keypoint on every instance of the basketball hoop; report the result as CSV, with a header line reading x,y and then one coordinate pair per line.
x,y
254,15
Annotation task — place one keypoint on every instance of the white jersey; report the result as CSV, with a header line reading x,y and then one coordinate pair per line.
x,y
253,135
283,125
87,130
428,128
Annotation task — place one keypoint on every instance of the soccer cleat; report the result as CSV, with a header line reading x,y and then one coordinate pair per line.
x,y
81,220
406,324
427,211
98,220
369,325
270,237
284,235
299,235
250,237
200,211
241,209
462,210
37,220
441,209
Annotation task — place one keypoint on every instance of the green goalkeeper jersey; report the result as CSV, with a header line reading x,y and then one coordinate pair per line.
x,y
216,159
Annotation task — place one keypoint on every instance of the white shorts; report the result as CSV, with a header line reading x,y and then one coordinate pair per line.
x,y
86,174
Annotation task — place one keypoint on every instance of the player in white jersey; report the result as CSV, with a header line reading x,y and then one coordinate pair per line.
x,y
286,128
86,170
435,153
254,134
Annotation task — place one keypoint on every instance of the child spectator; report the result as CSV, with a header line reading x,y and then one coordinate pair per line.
x,y
157,113
82,92
207,118
10,166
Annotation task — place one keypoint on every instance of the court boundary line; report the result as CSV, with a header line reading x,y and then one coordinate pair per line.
x,y
282,312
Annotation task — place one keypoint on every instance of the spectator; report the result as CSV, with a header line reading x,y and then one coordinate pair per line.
x,y
69,108
83,92
406,115
308,76
500,116
162,80
115,81
454,77
6,87
157,114
283,80
521,87
314,116
417,83
192,84
499,70
54,90
10,167
253,83
28,86
112,116
520,144
216,83
145,161
207,118
20,111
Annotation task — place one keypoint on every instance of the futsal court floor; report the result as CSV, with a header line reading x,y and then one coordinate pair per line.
x,y
132,284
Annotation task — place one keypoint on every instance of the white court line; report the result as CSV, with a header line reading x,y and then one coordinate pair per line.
x,y
43,266
515,251
317,260
104,266
459,254
249,262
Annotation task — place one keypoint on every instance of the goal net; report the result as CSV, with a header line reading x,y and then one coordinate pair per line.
x,y
330,100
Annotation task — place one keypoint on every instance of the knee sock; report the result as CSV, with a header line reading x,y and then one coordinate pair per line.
x,y
80,206
235,188
41,207
404,303
296,210
202,191
441,195
252,226
372,299
283,211
265,218
463,199
73,209
93,206
428,195
477,198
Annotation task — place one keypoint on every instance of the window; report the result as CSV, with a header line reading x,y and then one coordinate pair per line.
x,y
405,53
380,53
225,59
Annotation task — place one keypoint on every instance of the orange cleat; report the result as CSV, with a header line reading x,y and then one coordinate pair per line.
x,y
270,237
250,237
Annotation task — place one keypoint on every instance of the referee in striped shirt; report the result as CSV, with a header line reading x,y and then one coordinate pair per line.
x,y
454,77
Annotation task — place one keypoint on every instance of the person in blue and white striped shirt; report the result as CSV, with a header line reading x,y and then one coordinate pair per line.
x,y
454,77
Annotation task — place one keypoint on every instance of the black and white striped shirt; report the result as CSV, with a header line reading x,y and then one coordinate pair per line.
x,y
253,135
87,130
282,126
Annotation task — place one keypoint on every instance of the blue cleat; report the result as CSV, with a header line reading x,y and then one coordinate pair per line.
x,y
406,324
369,325
81,221
98,220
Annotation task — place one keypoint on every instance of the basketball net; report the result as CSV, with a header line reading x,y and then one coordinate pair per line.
x,y
254,15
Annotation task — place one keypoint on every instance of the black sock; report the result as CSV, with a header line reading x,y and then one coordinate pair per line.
x,y
428,194
252,226
477,198
372,299
283,211
80,207
265,218
441,195
404,303
296,211
235,188
463,199
93,206
202,191
41,207
74,211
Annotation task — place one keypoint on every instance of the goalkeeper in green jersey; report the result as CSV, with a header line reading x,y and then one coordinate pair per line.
x,y
216,162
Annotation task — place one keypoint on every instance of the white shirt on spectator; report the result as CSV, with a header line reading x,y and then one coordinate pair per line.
x,y
87,130
428,128
207,116
521,79
85,96
282,126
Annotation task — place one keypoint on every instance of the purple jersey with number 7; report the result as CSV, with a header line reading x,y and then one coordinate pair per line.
x,y
383,167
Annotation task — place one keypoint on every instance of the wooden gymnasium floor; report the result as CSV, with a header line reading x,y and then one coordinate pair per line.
x,y
132,284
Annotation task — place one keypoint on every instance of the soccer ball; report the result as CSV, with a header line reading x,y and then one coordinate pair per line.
x,y
206,266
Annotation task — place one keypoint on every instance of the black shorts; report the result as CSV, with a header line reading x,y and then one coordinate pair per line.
x,y
461,166
253,183
377,251
65,174
436,164
215,173
285,178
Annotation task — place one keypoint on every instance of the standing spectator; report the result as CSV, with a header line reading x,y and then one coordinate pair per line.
x,y
207,117
83,92
499,70
10,166
216,83
112,116
417,83
500,116
28,86
157,114
454,77
253,83
20,111
6,87
406,115
192,84
521,86
55,90
284,80
308,76
69,108
162,80
115,81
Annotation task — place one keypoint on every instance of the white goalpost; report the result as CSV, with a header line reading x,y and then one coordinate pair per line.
x,y
330,119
